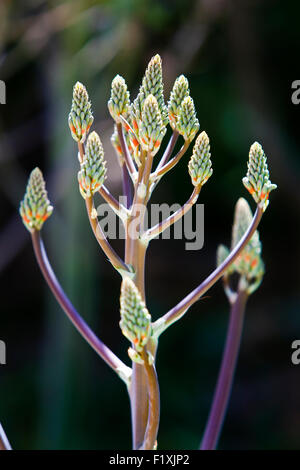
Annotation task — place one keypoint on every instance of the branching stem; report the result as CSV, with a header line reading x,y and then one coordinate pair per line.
x,y
118,208
101,349
172,219
180,309
125,151
113,257
169,149
168,166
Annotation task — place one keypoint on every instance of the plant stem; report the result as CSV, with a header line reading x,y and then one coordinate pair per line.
x,y
127,186
168,166
159,228
169,150
81,151
180,309
118,208
154,405
135,255
101,349
4,442
113,257
127,157
226,374
144,391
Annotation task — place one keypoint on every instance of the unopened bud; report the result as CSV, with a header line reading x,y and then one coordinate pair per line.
x,y
35,207
93,168
80,117
257,179
200,163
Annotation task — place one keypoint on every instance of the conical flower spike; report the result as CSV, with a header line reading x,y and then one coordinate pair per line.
x,y
200,164
119,98
152,129
93,168
187,122
152,84
257,179
35,207
135,320
80,117
179,92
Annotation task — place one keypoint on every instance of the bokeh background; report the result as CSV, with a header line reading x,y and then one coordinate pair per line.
x,y
241,59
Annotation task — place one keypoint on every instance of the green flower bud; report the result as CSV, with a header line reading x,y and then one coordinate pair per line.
x,y
80,117
152,129
257,179
187,122
200,164
93,168
249,263
35,207
179,92
119,98
135,320
152,84
249,258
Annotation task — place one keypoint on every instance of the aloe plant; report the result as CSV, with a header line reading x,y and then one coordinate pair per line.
x,y
139,129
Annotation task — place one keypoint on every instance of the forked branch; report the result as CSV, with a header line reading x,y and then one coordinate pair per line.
x,y
180,309
172,219
101,349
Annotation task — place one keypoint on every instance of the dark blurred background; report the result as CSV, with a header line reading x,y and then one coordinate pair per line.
x,y
241,59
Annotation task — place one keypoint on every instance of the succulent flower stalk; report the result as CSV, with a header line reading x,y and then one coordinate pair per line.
x,y
135,320
152,84
179,92
257,180
200,166
80,117
35,208
93,168
118,103
187,123
152,129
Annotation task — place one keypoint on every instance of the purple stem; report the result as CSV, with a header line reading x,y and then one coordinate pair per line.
x,y
4,442
127,186
103,351
176,312
169,150
226,374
